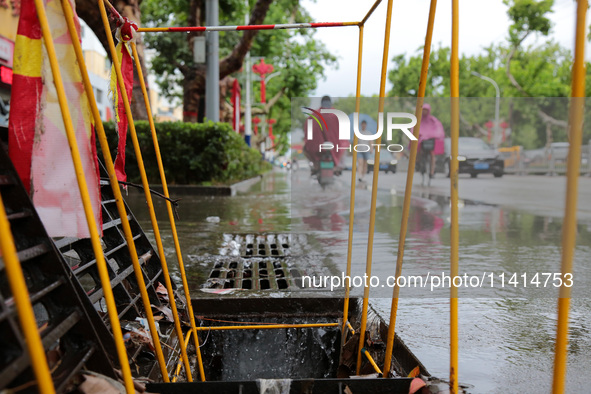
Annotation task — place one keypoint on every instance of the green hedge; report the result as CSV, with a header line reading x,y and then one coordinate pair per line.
x,y
192,153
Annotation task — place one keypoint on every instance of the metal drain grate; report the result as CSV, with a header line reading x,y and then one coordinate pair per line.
x,y
266,249
263,245
261,262
252,274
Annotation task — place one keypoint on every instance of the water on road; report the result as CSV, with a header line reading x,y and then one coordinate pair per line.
x,y
506,337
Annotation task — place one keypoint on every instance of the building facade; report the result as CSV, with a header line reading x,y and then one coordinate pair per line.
x,y
9,12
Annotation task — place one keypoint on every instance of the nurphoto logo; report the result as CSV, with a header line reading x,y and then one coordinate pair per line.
x,y
344,129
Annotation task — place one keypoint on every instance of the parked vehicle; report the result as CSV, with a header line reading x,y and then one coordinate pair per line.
x,y
511,155
474,156
387,163
559,151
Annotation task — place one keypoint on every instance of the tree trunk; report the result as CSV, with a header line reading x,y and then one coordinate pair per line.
x,y
88,10
131,10
193,104
194,83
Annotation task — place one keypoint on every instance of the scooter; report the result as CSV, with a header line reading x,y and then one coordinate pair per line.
x,y
326,171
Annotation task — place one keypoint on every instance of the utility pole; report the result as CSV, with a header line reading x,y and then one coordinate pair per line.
x,y
497,105
247,105
212,82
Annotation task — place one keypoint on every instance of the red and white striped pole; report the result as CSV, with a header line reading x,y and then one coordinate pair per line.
x,y
248,27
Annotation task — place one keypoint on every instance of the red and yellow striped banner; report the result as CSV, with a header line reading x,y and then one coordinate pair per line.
x,y
124,55
37,139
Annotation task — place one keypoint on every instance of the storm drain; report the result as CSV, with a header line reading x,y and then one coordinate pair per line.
x,y
252,274
260,262
263,245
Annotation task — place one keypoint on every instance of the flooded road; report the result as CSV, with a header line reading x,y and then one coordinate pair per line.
x,y
506,342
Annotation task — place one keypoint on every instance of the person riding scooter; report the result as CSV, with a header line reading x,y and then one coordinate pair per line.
x,y
321,136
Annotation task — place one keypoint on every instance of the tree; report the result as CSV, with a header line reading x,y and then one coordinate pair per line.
x,y
544,70
88,10
299,59
535,77
174,51
528,16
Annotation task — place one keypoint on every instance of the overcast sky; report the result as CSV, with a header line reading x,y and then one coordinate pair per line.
x,y
482,22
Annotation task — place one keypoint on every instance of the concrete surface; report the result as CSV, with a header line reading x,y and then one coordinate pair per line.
x,y
536,194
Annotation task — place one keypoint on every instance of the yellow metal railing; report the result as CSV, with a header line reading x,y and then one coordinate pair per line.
x,y
454,172
115,187
352,195
82,185
374,189
170,211
267,326
92,225
408,189
146,186
354,171
18,286
569,226
371,360
26,315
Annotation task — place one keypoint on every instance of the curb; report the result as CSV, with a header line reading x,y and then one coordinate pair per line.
x,y
196,190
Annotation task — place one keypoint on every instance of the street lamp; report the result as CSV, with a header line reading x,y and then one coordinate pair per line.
x,y
497,104
271,76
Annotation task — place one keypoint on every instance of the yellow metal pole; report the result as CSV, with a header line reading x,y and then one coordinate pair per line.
x,y
569,227
267,326
353,182
350,327
175,237
180,363
371,10
408,190
92,225
453,169
18,286
146,186
374,188
371,360
68,12
153,29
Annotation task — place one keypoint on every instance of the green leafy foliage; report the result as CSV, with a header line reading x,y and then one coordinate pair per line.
x,y
528,16
541,80
300,59
192,153
544,71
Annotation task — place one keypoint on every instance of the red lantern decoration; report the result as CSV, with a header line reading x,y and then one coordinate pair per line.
x,y
263,70
489,125
236,106
271,122
256,122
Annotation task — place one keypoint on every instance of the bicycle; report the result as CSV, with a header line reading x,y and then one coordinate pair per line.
x,y
423,163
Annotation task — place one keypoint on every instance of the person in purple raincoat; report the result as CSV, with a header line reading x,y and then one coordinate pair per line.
x,y
431,136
